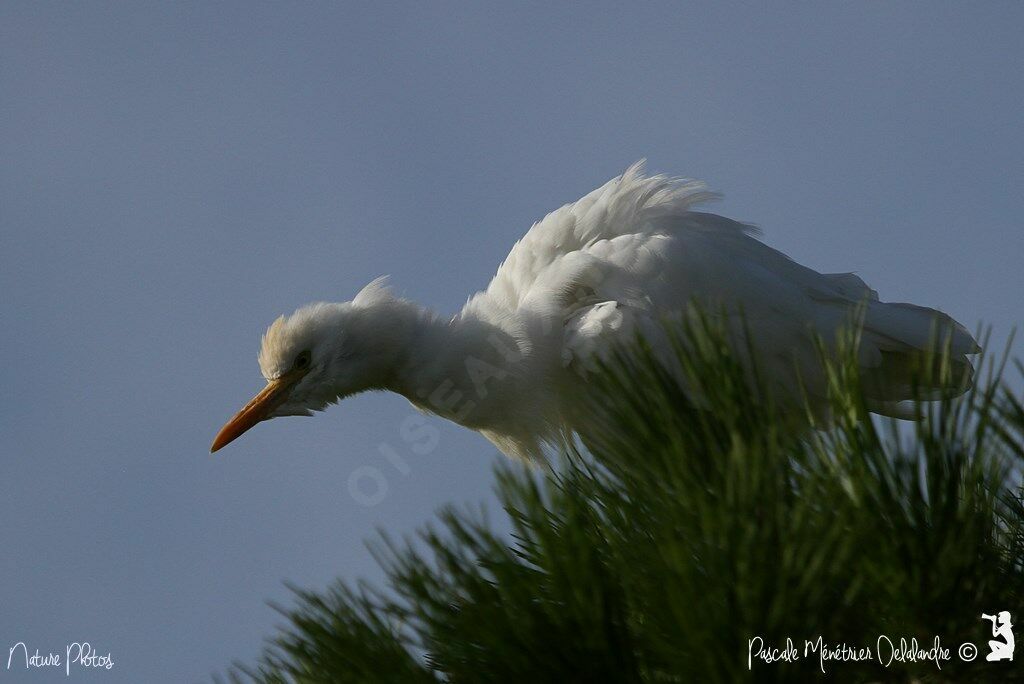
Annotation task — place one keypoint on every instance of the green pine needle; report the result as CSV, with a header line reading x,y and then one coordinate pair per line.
x,y
681,532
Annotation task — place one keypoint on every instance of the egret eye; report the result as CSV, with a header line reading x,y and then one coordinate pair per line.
x,y
302,361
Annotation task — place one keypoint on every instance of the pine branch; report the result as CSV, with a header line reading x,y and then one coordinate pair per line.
x,y
685,530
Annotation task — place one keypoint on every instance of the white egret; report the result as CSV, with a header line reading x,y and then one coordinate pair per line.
x,y
596,272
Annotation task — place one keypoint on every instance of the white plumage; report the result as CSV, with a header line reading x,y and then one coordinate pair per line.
x,y
588,276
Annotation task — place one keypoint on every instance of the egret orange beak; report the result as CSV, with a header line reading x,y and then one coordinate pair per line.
x,y
269,398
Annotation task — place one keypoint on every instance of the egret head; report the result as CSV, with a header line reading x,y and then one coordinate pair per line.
x,y
320,354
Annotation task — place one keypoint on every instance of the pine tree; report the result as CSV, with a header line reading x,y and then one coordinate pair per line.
x,y
684,534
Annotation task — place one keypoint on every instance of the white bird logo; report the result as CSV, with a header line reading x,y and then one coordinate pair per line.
x,y
590,275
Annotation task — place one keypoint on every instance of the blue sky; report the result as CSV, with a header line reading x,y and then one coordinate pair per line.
x,y
176,175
